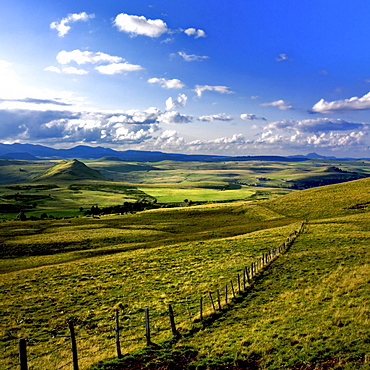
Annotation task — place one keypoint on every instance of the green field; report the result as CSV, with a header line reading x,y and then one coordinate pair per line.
x,y
309,309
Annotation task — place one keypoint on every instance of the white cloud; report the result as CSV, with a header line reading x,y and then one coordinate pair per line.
x,y
192,57
199,89
216,117
53,69
281,104
67,70
281,57
251,117
345,105
176,103
74,71
167,84
139,25
115,68
174,118
195,32
62,27
83,57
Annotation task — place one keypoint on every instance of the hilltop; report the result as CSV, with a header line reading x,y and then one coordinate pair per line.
x,y
73,170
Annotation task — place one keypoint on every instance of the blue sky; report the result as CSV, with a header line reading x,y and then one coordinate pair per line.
x,y
243,77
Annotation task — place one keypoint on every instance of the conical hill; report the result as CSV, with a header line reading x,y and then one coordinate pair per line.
x,y
73,170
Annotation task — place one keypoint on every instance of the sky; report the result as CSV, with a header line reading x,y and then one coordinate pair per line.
x,y
238,77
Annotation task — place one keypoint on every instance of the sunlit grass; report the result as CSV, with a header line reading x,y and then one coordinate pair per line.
x,y
167,195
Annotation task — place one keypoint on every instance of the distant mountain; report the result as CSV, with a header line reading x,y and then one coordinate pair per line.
x,y
73,170
22,155
32,152
318,156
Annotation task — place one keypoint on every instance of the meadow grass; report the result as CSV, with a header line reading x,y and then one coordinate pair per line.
x,y
37,302
309,310
170,194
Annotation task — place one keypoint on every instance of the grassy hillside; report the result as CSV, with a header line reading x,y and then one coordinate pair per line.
x,y
333,200
308,310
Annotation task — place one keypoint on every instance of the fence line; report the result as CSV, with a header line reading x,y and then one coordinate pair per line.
x,y
249,274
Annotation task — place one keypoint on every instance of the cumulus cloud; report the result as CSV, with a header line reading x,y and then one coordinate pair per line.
x,y
176,103
216,117
281,104
197,33
251,117
199,89
174,118
167,84
83,57
63,26
192,57
345,105
115,68
139,25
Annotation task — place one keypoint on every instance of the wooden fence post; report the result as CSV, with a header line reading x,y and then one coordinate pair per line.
x,y
175,333
247,273
147,326
226,294
239,288
232,288
22,348
73,345
213,303
201,308
219,299
118,344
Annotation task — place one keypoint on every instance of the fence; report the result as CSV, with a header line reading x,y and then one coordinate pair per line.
x,y
217,301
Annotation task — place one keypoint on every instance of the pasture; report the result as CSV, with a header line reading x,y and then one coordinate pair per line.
x,y
143,260
308,310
